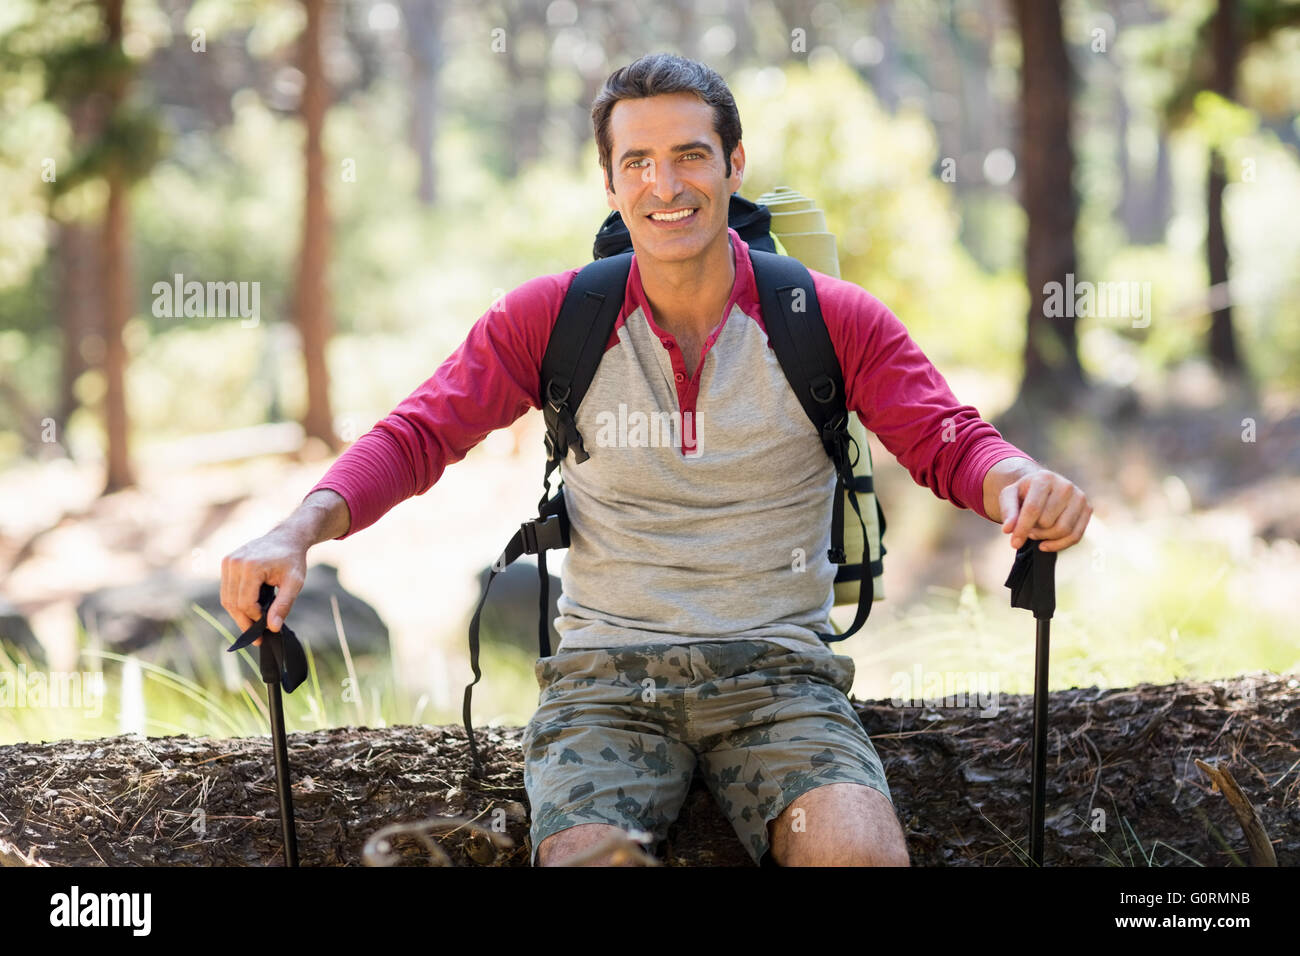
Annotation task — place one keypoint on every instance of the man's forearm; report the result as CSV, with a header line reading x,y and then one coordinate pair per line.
x,y
1003,473
322,516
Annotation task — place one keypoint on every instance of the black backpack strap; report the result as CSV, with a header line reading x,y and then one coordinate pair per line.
x,y
577,344
550,529
803,347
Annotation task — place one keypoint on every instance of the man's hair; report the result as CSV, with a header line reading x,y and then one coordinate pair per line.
x,y
656,74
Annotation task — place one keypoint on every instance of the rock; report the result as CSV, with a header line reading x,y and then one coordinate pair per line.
x,y
156,621
312,618
510,614
16,633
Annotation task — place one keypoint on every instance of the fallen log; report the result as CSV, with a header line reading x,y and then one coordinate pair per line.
x,y
1123,789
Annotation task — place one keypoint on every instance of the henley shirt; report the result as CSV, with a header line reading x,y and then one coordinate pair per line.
x,y
704,511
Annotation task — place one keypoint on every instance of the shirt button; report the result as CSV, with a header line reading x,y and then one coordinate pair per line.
x,y
680,377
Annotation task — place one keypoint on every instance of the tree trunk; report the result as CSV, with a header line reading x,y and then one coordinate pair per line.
x,y
1223,40
1053,375
527,71
76,264
959,779
116,287
424,19
311,297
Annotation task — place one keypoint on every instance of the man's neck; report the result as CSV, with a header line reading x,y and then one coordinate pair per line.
x,y
687,298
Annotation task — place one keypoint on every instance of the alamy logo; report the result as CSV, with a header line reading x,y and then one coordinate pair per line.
x,y
210,300
102,909
1102,300
637,429
962,691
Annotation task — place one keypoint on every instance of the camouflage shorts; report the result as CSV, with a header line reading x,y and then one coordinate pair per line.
x,y
617,734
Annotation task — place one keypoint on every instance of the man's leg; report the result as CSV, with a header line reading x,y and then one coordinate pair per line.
x,y
602,753
592,844
838,824
787,758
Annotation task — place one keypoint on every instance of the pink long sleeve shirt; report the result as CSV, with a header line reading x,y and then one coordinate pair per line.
x,y
704,511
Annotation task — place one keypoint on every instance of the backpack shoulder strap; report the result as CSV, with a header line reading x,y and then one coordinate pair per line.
x,y
577,343
803,347
795,328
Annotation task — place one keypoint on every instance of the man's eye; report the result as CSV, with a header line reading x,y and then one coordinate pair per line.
x,y
632,164
689,155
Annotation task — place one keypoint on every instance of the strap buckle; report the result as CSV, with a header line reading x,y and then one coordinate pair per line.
x,y
542,534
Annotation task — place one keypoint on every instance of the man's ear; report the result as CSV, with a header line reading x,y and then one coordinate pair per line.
x,y
737,166
609,193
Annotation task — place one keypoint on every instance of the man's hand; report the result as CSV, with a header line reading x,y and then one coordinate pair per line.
x,y
280,559
1034,503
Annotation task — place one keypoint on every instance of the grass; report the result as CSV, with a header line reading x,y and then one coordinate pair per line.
x,y
1180,605
199,705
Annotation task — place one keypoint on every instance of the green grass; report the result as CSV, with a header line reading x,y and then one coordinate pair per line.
x,y
1175,606
201,705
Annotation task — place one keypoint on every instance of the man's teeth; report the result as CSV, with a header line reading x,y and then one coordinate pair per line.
x,y
671,216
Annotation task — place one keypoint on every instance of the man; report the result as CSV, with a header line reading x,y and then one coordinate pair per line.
x,y
688,633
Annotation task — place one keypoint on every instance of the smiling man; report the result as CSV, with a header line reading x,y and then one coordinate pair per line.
x,y
688,639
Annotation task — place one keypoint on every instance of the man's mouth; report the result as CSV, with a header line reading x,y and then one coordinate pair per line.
x,y
672,215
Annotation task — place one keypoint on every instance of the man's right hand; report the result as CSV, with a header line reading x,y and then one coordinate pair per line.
x,y
278,558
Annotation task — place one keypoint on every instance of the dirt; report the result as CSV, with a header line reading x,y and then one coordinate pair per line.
x,y
959,781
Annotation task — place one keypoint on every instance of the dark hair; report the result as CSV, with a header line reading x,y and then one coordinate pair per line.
x,y
654,75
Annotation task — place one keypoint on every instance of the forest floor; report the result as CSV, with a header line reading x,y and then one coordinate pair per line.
x,y
1123,789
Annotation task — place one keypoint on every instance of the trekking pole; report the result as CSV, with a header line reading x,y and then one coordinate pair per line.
x,y
271,675
283,663
1033,586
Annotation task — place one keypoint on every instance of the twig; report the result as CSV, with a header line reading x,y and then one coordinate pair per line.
x,y
1261,848
378,850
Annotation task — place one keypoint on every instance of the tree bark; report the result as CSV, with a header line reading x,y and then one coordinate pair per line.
x,y
1223,40
1053,374
116,284
1121,764
311,297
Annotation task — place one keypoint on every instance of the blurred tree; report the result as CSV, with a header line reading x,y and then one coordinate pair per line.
x,y
1053,374
1226,53
527,56
116,267
1227,34
76,48
76,262
424,24
1145,201
311,293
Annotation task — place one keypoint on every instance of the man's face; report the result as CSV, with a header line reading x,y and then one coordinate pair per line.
x,y
665,158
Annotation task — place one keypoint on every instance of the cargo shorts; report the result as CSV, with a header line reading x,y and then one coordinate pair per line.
x,y
618,732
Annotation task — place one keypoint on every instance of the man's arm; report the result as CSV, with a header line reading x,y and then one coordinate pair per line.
x,y
487,383
945,445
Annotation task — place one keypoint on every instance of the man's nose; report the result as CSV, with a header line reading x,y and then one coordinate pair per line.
x,y
665,185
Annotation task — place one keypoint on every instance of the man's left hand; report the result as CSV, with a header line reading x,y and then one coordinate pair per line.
x,y
1046,507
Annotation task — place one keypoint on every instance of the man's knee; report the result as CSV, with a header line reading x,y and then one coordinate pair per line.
x,y
591,844
840,824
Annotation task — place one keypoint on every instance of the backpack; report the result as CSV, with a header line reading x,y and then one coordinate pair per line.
x,y
803,348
